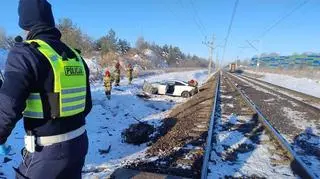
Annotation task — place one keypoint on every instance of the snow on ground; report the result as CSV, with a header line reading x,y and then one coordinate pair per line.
x,y
304,85
106,122
298,119
259,88
159,60
255,163
317,105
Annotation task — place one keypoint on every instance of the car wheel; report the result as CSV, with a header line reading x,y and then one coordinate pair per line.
x,y
185,94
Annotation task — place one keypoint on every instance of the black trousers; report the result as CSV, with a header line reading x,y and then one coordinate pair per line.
x,y
63,160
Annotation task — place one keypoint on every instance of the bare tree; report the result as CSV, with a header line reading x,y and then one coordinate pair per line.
x,y
74,37
141,44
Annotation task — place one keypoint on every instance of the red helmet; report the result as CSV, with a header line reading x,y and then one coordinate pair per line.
x,y
107,73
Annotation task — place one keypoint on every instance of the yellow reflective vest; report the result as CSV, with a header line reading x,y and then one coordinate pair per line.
x,y
69,95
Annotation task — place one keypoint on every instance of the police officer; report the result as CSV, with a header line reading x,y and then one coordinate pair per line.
x,y
107,80
46,83
117,74
129,73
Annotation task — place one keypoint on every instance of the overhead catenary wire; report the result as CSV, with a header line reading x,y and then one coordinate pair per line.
x,y
230,27
276,23
167,6
195,11
200,28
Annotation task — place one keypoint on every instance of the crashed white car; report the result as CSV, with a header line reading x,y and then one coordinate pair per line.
x,y
171,88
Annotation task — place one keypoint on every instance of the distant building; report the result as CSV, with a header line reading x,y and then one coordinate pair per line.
x,y
293,61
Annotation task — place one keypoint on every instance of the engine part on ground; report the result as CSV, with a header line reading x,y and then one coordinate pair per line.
x,y
148,88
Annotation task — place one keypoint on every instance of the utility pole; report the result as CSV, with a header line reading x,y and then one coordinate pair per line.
x,y
259,55
217,59
237,61
210,45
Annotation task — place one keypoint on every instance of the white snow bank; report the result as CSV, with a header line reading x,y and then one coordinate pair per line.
x,y
106,122
304,85
96,70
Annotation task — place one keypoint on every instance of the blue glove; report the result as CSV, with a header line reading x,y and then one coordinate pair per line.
x,y
4,149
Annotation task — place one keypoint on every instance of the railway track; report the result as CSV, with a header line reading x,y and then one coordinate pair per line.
x,y
180,146
219,133
302,98
243,142
304,145
289,115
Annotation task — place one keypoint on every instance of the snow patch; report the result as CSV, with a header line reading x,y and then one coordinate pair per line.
x,y
108,119
233,119
303,85
226,97
299,120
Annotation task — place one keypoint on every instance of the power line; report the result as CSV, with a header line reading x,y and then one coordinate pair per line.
x,y
195,21
276,23
229,28
167,6
195,11
283,18
252,46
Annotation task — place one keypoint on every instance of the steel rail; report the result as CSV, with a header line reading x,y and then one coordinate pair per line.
x,y
300,95
297,164
205,163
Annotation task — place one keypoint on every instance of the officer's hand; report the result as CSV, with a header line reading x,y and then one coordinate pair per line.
x,y
4,149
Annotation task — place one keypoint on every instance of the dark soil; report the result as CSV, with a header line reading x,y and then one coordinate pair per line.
x,y
181,139
137,133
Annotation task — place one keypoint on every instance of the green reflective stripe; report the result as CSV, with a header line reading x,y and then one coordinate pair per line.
x,y
70,83
71,108
74,90
34,97
33,114
69,100
73,95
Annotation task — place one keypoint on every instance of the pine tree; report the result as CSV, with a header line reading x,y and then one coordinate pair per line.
x,y
123,46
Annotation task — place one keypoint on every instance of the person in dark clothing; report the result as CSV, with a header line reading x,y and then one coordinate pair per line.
x,y
129,73
56,141
117,74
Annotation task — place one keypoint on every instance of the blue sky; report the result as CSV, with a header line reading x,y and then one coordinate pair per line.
x,y
175,22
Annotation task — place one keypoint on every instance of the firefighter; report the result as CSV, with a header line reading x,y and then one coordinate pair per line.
x,y
117,74
193,83
107,84
129,73
46,83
